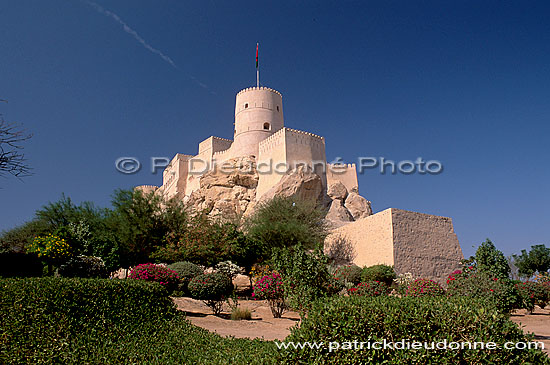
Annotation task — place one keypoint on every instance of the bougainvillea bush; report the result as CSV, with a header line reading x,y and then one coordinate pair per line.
x,y
212,288
533,293
424,287
271,287
370,289
156,273
494,292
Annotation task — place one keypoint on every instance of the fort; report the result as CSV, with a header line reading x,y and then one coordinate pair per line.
x,y
265,159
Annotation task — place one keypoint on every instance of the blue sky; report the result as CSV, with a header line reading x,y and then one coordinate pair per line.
x,y
463,82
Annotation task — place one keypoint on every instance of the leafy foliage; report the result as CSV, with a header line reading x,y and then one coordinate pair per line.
x,y
425,319
186,271
286,222
495,292
537,260
92,321
212,288
51,248
348,274
370,289
381,272
305,275
424,287
490,261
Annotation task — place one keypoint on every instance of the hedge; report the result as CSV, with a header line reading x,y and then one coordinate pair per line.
x,y
59,320
370,319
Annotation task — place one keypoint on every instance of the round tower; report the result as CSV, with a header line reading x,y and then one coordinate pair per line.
x,y
258,114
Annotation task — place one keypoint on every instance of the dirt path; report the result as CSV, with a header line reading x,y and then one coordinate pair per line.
x,y
537,323
263,325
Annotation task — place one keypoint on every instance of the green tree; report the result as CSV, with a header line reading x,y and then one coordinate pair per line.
x,y
286,222
489,260
537,260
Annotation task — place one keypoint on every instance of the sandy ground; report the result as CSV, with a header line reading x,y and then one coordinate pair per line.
x,y
537,323
263,325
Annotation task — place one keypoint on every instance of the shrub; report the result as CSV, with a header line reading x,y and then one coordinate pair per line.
x,y
97,321
212,289
239,313
348,320
156,273
531,293
370,289
271,287
18,264
286,222
230,269
348,274
186,271
84,267
490,261
305,275
424,287
494,292
383,273
403,281
51,248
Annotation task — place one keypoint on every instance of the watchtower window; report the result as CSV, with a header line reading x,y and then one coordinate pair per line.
x,y
246,105
277,108
266,126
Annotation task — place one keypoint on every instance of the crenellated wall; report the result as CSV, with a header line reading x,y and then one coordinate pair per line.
x,y
174,177
286,149
344,173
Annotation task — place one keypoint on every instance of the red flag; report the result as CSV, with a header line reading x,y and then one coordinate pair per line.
x,y
256,55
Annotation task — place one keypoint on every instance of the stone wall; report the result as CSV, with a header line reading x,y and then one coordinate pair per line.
x,y
422,244
344,173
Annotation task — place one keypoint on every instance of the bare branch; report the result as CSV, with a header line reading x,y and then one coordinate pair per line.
x,y
12,159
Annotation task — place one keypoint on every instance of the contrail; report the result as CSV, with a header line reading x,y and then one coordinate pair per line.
x,y
130,31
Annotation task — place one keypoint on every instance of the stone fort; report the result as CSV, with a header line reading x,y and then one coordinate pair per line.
x,y
266,159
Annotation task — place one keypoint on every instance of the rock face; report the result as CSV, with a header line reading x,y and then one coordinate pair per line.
x,y
301,182
226,191
229,192
345,207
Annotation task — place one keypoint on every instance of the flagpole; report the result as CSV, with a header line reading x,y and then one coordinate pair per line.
x,y
257,68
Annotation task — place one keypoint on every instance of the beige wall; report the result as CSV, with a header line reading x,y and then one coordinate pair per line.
x,y
174,176
344,173
422,244
372,238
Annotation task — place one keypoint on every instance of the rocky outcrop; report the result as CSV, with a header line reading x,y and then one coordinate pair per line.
x,y
358,206
301,182
227,190
345,207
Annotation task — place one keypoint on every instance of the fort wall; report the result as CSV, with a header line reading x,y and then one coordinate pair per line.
x,y
344,173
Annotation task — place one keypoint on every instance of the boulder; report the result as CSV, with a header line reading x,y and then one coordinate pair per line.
x,y
358,206
301,182
337,190
338,214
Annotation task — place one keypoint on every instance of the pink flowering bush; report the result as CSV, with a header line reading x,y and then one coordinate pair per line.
x,y
424,287
531,293
495,292
270,287
156,273
370,289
